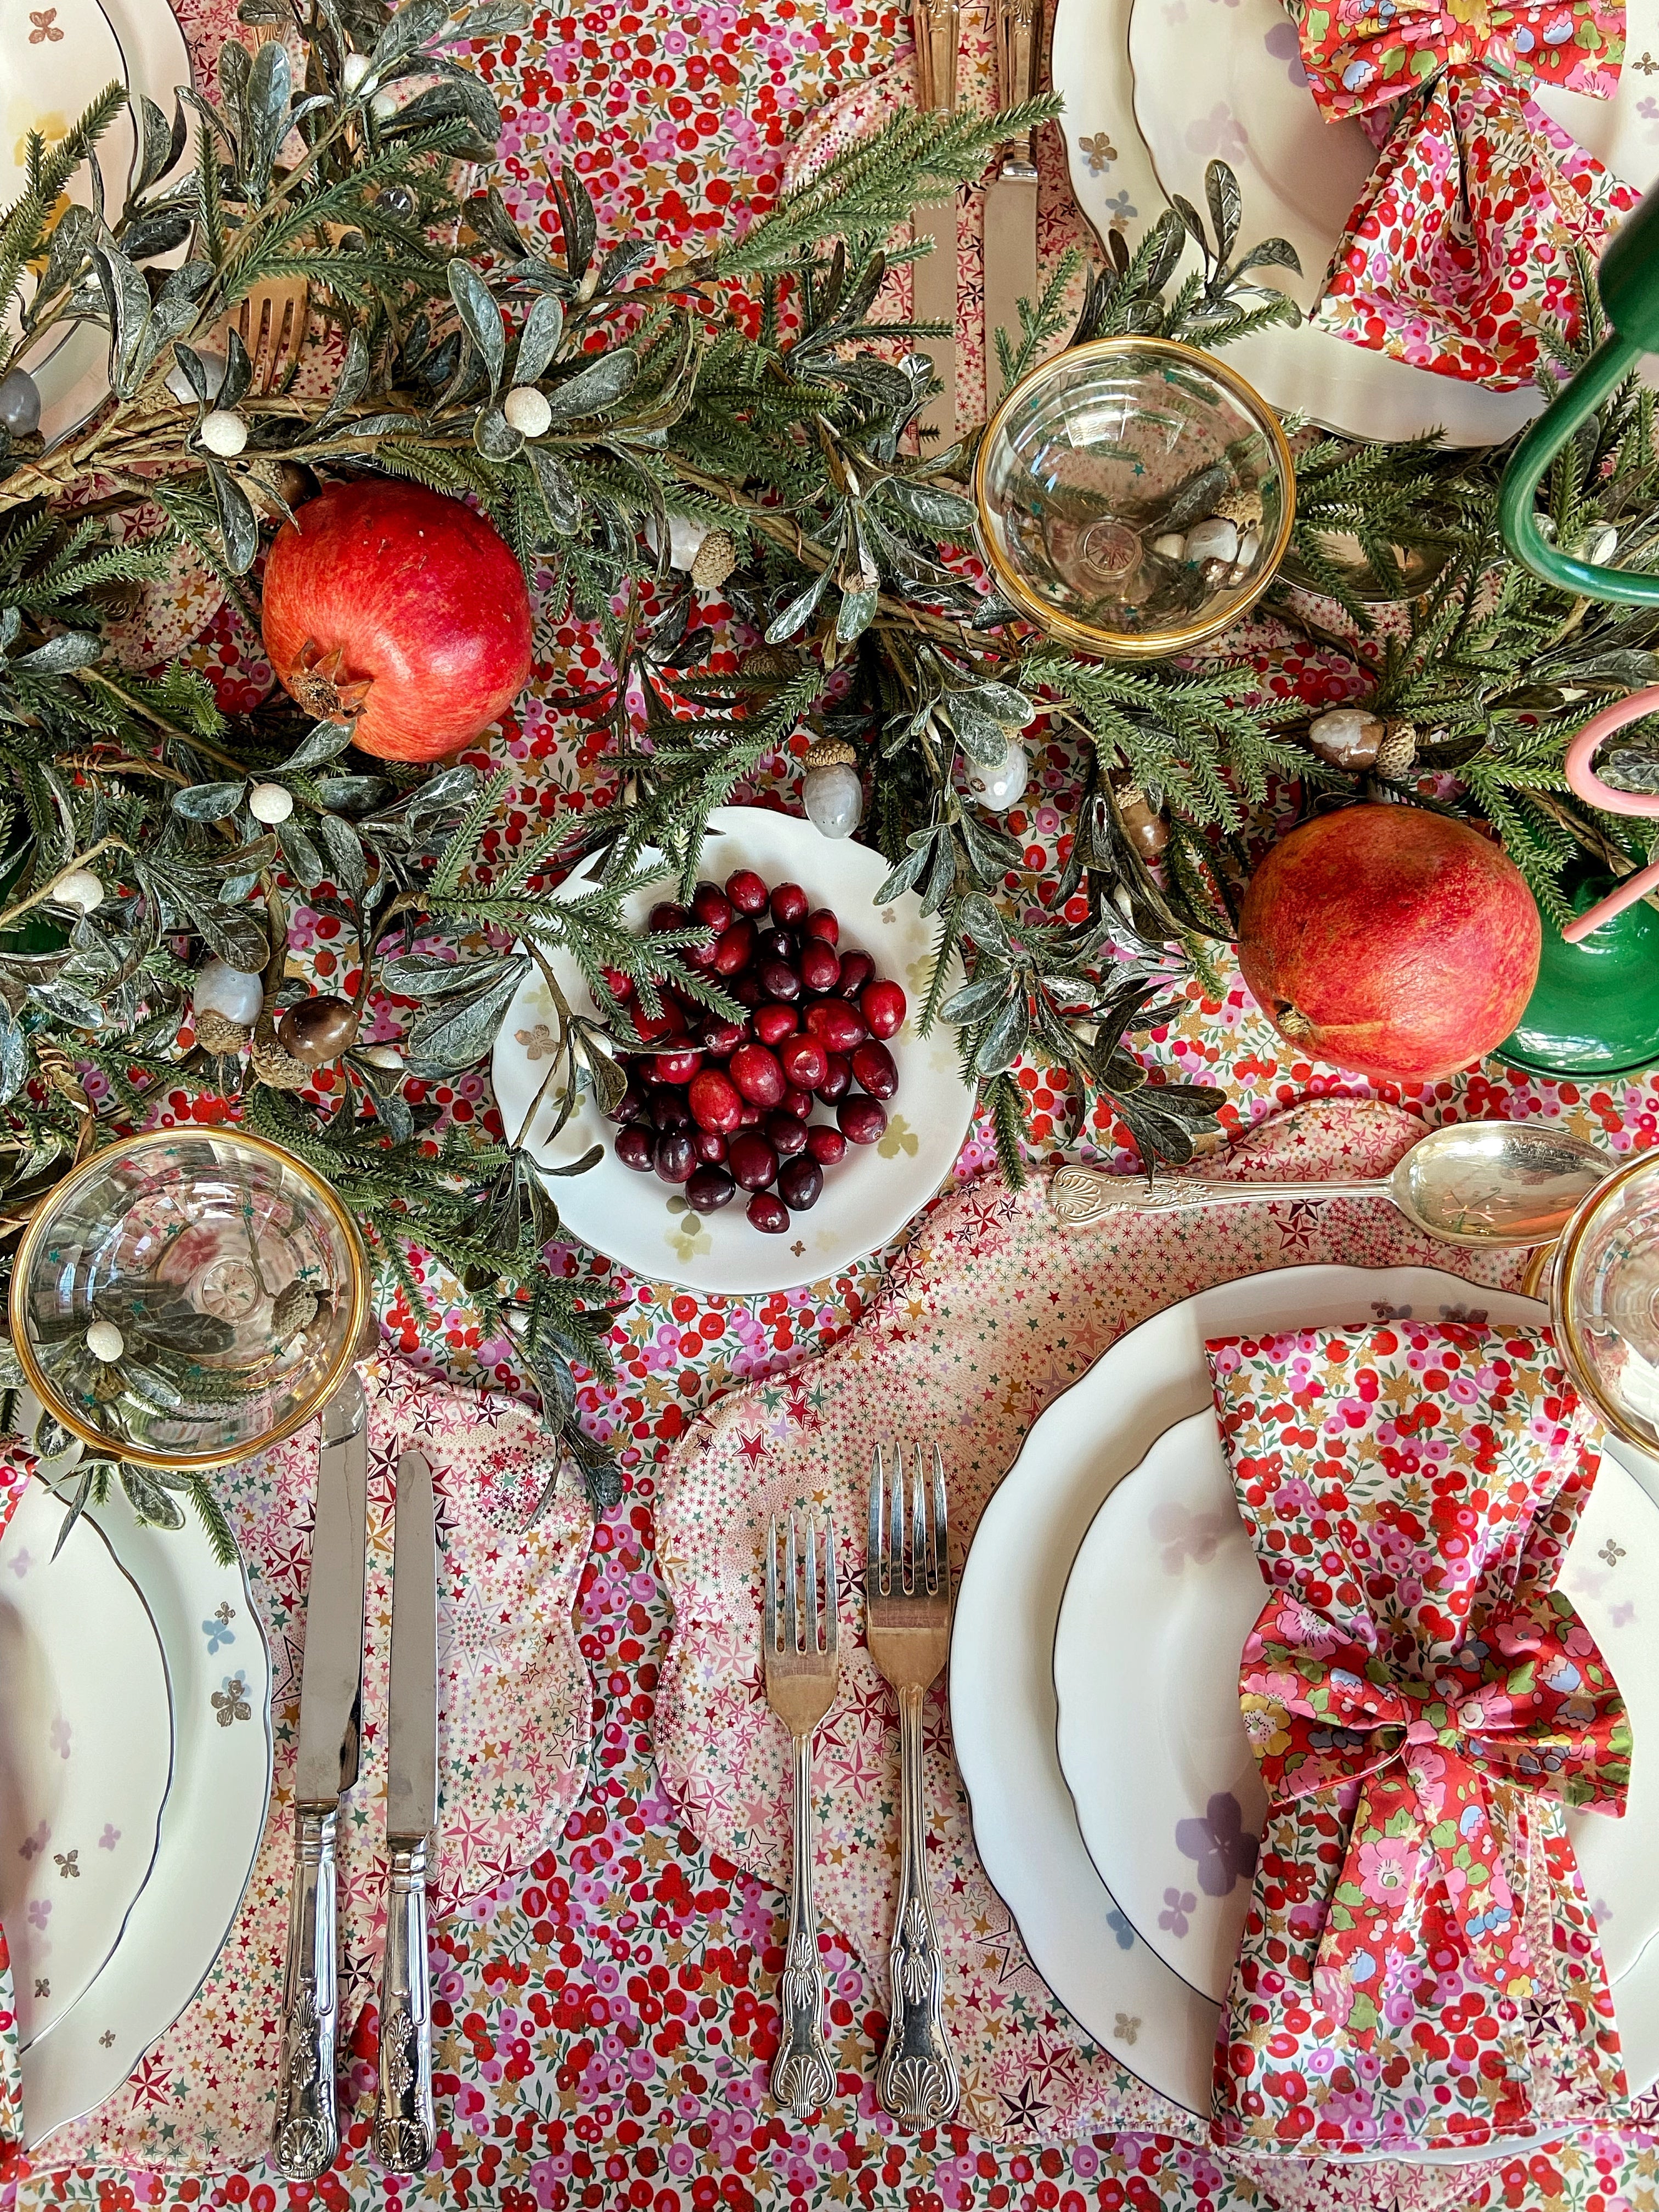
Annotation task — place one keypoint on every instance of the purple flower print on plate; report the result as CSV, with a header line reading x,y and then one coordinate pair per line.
x,y
1178,1906
1283,45
1217,1840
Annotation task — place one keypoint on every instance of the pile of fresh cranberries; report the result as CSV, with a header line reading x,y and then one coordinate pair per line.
x,y
720,1106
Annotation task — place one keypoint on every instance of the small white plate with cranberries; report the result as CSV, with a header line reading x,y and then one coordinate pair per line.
x,y
762,1155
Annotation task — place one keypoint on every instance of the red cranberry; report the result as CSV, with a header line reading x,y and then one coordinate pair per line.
x,y
670,1022
710,906
631,1106
710,1146
747,989
676,1066
825,1144
805,1060
779,980
675,1160
620,987
800,1183
856,969
668,1107
862,1120
715,1102
635,1148
669,914
825,925
709,1189
775,944
702,958
837,1080
746,891
756,1074
820,965
750,1117
768,1214
788,1135
734,950
773,1023
722,1038
796,1102
837,1023
882,1005
789,904
873,1067
751,1159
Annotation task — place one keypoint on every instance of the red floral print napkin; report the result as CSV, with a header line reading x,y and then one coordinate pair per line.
x,y
1419,1970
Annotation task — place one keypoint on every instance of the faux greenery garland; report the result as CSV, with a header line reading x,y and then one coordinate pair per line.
x,y
784,429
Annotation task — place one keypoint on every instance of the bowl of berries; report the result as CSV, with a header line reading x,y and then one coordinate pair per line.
x,y
760,1154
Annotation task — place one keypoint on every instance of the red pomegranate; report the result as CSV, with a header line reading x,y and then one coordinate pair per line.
x,y
1390,941
399,611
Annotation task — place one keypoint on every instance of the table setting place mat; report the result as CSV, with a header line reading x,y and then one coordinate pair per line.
x,y
514,1726
992,1313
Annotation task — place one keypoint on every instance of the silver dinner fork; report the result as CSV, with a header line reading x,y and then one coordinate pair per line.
x,y
800,1646
908,1623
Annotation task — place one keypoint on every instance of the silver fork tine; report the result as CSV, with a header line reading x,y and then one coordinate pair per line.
x,y
791,1603
812,1643
831,1587
895,1578
919,1559
769,1626
872,1549
941,1522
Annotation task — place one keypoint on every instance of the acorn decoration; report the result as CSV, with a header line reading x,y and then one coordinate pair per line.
x,y
1145,825
273,1063
318,1031
1355,740
295,1308
715,559
217,1032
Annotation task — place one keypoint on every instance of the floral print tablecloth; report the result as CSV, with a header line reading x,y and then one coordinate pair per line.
x,y
605,2021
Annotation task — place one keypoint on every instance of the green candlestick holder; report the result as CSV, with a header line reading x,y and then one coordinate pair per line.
x,y
1593,1012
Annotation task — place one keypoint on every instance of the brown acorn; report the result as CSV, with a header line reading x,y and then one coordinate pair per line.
x,y
1145,829
318,1031
272,1063
217,1033
716,557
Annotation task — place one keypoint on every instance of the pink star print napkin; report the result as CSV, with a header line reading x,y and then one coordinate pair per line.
x,y
1419,1968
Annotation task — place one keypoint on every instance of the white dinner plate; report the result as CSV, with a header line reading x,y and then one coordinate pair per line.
x,y
138,42
1165,1588
1218,55
212,1824
868,1196
1003,1711
86,1748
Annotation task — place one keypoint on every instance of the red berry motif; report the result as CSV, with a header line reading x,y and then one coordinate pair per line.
x,y
715,1106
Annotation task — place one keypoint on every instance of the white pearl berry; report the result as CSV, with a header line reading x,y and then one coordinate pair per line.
x,y
105,1341
224,432
269,802
222,989
79,888
355,69
1001,787
384,106
527,410
834,797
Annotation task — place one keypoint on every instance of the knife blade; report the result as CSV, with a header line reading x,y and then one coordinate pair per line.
x,y
404,2130
1011,197
307,2133
933,278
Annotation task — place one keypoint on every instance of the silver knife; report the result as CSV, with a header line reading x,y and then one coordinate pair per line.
x,y
933,278
1011,197
307,2130
404,2134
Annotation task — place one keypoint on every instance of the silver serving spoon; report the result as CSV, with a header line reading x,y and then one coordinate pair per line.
x,y
1469,1182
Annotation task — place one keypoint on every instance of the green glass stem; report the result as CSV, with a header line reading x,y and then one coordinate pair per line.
x,y
1601,376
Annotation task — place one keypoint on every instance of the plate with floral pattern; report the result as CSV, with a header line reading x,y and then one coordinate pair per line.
x,y
1165,1589
868,1196
219,1674
86,1751
1004,1712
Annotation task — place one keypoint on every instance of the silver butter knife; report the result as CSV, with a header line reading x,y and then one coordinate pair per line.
x,y
1011,197
934,25
404,2133
307,2130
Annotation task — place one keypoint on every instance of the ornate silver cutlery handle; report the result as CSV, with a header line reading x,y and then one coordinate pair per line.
x,y
307,2133
918,2082
1018,32
1079,1195
405,2134
803,2073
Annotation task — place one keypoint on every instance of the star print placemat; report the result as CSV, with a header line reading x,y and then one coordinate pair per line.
x,y
11,2086
514,1723
990,1314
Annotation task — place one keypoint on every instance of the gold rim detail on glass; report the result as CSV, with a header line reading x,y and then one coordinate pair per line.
x,y
1565,1317
154,1140
1111,644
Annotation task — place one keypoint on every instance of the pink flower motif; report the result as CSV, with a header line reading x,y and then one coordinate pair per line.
x,y
1387,1869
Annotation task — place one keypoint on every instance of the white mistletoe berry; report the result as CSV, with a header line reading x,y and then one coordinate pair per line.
x,y
224,432
270,803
